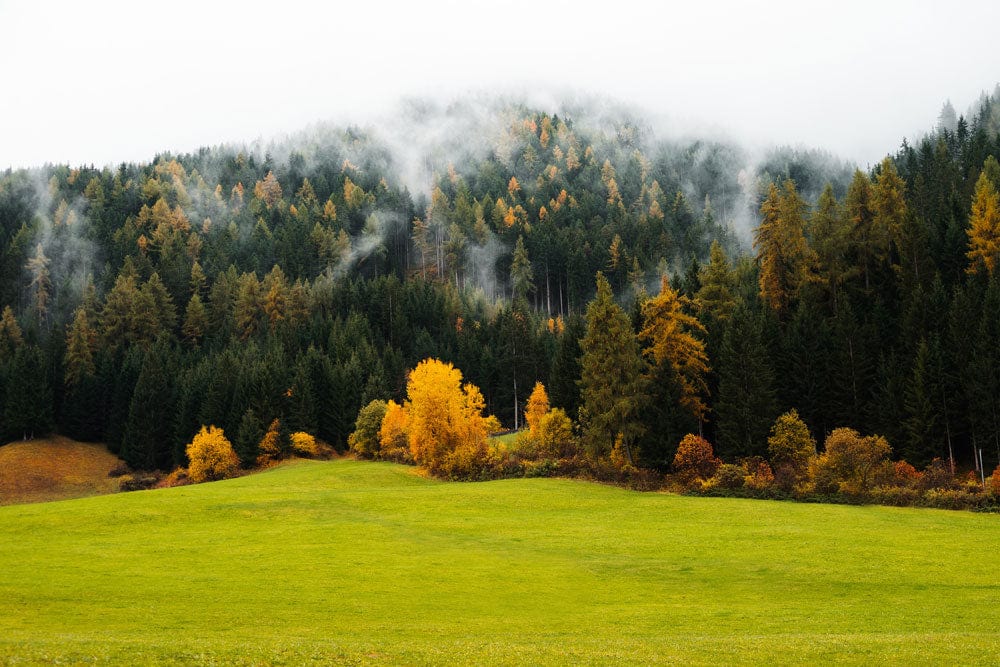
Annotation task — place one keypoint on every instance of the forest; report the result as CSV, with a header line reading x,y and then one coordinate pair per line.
x,y
654,287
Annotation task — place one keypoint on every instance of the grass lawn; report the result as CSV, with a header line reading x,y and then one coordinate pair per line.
x,y
356,562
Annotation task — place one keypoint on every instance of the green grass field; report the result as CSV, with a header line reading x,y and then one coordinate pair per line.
x,y
354,562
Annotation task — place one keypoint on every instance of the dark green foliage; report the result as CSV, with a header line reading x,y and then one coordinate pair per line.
x,y
612,386
747,405
27,396
891,337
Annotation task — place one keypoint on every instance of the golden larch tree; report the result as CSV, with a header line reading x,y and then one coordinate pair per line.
x,y
984,228
783,254
538,406
670,335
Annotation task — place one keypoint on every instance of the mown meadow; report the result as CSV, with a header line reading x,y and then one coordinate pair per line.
x,y
359,562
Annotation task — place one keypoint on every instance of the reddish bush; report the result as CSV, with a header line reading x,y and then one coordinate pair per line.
x,y
695,458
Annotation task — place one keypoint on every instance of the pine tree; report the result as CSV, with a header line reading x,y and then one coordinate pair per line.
x,y
27,411
611,382
564,389
80,341
747,405
828,236
521,274
715,297
195,320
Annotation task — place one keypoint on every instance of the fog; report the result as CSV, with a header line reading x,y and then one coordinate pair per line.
x,y
106,82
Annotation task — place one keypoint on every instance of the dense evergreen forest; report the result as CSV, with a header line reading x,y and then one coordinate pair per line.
x,y
301,280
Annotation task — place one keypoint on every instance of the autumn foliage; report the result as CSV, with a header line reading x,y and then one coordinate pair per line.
x,y
442,420
538,406
695,459
303,444
211,456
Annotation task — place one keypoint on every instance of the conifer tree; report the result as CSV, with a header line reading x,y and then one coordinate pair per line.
x,y
984,228
195,320
782,251
715,296
521,274
80,341
747,405
671,337
611,383
828,236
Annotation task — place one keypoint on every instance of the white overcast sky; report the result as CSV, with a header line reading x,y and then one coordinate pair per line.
x,y
102,82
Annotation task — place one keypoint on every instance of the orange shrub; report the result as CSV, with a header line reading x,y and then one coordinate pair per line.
x,y
759,475
695,459
905,474
993,482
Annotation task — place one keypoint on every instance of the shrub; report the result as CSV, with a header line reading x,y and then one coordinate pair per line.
x,y
304,444
728,476
394,444
906,475
269,447
695,459
555,434
899,496
993,482
120,470
937,475
364,440
620,456
179,477
211,456
791,447
758,475
953,499
852,464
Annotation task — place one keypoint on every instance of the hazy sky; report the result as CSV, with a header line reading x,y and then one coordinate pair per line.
x,y
103,82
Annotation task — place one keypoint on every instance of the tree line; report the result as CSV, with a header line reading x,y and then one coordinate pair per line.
x,y
227,288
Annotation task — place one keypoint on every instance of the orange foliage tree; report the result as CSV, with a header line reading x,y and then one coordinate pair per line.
x,y
694,458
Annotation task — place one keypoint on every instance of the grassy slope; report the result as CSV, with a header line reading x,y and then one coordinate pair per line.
x,y
363,562
54,469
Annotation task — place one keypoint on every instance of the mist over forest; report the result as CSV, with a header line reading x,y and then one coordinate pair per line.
x,y
294,281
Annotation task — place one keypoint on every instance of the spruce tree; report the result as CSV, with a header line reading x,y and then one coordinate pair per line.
x,y
611,382
747,406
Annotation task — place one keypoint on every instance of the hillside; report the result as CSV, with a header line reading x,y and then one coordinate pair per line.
x,y
54,469
358,562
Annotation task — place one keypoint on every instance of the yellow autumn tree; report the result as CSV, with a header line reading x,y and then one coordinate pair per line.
x,y
444,418
393,439
270,445
211,456
671,337
538,406
783,254
268,190
984,227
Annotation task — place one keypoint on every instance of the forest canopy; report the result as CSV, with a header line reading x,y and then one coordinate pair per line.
x,y
293,284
